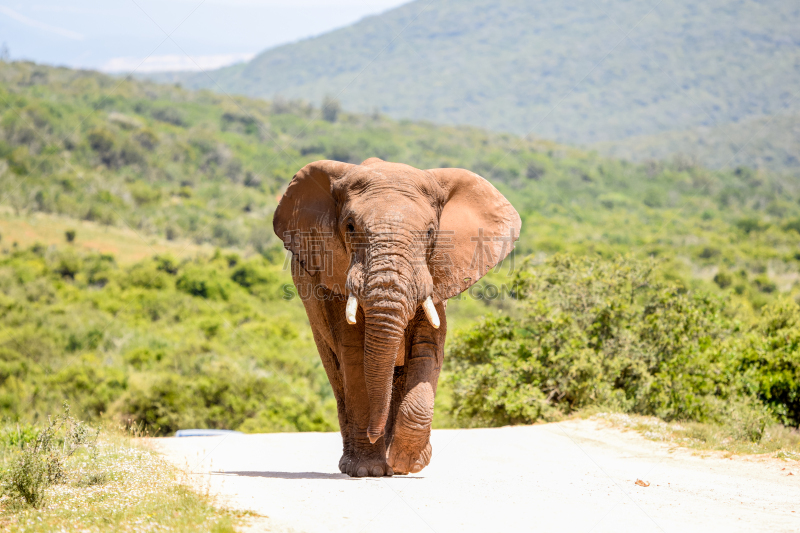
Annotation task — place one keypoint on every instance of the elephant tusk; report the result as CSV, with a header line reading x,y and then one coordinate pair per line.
x,y
430,310
350,310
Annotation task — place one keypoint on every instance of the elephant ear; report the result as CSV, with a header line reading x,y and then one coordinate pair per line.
x,y
306,220
477,229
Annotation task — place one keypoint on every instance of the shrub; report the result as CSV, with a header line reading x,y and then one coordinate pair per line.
x,y
764,284
130,154
170,115
67,265
330,109
40,459
224,397
750,224
147,276
147,139
101,140
768,358
723,279
99,268
204,283
127,343
597,333
256,278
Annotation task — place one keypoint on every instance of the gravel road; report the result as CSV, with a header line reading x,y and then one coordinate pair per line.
x,y
573,476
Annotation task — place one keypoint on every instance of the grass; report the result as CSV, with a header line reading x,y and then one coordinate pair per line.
x,y
776,440
125,244
116,486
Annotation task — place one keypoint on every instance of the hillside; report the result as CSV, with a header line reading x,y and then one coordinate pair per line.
x,y
579,72
771,142
171,174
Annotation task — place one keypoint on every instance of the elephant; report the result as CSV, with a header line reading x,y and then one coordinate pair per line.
x,y
376,251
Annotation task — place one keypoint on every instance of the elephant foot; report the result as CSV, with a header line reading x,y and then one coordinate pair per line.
x,y
404,460
344,462
366,467
411,450
365,460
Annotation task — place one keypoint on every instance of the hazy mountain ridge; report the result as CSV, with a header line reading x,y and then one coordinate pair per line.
x,y
581,73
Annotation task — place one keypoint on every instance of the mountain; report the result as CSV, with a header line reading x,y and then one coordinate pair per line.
x,y
580,72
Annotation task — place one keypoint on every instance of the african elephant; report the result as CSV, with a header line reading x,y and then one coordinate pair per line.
x,y
377,249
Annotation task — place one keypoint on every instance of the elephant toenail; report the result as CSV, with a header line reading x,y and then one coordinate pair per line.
x,y
389,471
416,468
362,471
377,471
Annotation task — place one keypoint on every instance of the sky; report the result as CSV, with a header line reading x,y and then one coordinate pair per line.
x,y
154,35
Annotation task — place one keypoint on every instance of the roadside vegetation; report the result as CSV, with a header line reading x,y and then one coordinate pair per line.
x,y
777,440
162,343
618,334
62,475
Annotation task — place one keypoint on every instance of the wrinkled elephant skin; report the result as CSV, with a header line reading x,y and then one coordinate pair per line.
x,y
377,249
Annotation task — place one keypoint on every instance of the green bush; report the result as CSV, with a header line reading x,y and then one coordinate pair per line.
x,y
257,278
608,333
203,282
142,343
67,264
768,356
40,457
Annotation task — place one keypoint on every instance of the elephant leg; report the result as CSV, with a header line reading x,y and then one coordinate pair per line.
x,y
362,458
366,459
331,365
320,318
410,449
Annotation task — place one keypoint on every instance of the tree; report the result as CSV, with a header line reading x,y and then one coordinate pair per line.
x,y
330,109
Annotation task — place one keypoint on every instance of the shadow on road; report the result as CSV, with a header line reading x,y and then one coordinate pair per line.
x,y
285,475
297,475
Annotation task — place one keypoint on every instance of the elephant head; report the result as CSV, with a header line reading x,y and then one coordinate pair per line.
x,y
391,238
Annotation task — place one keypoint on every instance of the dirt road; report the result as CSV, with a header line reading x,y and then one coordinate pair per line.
x,y
573,476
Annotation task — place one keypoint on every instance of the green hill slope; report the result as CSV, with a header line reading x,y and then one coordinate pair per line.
x,y
771,142
578,72
157,340
210,168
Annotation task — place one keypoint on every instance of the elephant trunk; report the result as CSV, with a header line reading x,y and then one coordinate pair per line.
x,y
385,328
390,304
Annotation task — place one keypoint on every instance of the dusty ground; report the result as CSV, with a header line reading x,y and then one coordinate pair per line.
x,y
573,476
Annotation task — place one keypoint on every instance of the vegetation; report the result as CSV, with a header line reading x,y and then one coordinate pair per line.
x,y
164,344
41,461
778,440
60,476
578,72
161,330
214,175
769,142
611,334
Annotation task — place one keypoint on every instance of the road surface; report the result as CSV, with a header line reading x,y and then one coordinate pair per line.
x,y
573,476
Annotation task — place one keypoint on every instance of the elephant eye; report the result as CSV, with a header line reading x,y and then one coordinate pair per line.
x,y
430,233
350,227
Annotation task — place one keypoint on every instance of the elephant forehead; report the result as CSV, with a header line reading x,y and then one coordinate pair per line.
x,y
391,210
386,178
395,215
